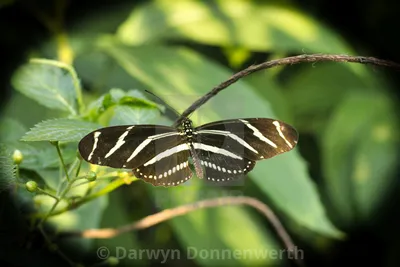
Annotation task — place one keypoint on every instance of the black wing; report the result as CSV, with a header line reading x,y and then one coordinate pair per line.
x,y
149,150
167,171
222,169
229,149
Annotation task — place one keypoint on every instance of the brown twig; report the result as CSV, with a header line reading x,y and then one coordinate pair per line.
x,y
279,62
167,214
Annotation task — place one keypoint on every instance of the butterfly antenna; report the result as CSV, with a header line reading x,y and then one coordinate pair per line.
x,y
163,102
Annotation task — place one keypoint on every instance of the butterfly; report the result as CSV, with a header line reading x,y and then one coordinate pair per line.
x,y
220,152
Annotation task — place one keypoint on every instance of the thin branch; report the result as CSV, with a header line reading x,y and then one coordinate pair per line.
x,y
279,62
74,205
41,191
167,214
62,161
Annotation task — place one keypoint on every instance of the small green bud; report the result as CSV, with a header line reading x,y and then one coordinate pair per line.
x,y
17,157
92,176
31,186
112,261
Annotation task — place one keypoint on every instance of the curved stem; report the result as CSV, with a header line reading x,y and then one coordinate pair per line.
x,y
280,62
167,214
110,187
62,161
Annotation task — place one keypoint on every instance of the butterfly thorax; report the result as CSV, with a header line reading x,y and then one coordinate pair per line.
x,y
187,129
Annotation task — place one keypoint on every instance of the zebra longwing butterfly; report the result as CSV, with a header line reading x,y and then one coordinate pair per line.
x,y
221,151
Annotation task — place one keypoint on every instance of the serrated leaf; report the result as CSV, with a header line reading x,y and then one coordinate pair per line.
x,y
360,154
300,201
63,130
256,25
49,85
36,156
133,115
7,168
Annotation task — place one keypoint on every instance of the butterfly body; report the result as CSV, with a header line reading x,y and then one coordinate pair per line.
x,y
221,151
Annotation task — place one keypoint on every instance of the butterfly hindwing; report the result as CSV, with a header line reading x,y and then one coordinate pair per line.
x,y
171,170
222,169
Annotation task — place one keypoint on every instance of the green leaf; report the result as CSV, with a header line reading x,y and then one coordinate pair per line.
x,y
37,158
125,115
47,84
100,72
313,92
63,130
29,152
11,130
7,168
289,185
51,176
48,158
137,99
360,154
265,86
256,25
116,96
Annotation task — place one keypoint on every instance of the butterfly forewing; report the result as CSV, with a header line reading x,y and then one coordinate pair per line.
x,y
127,146
254,138
229,149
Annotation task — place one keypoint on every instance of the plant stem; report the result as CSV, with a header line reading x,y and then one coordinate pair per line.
x,y
78,169
62,160
64,192
110,187
71,168
47,193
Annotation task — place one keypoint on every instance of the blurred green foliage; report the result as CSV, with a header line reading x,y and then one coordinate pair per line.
x,y
347,108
